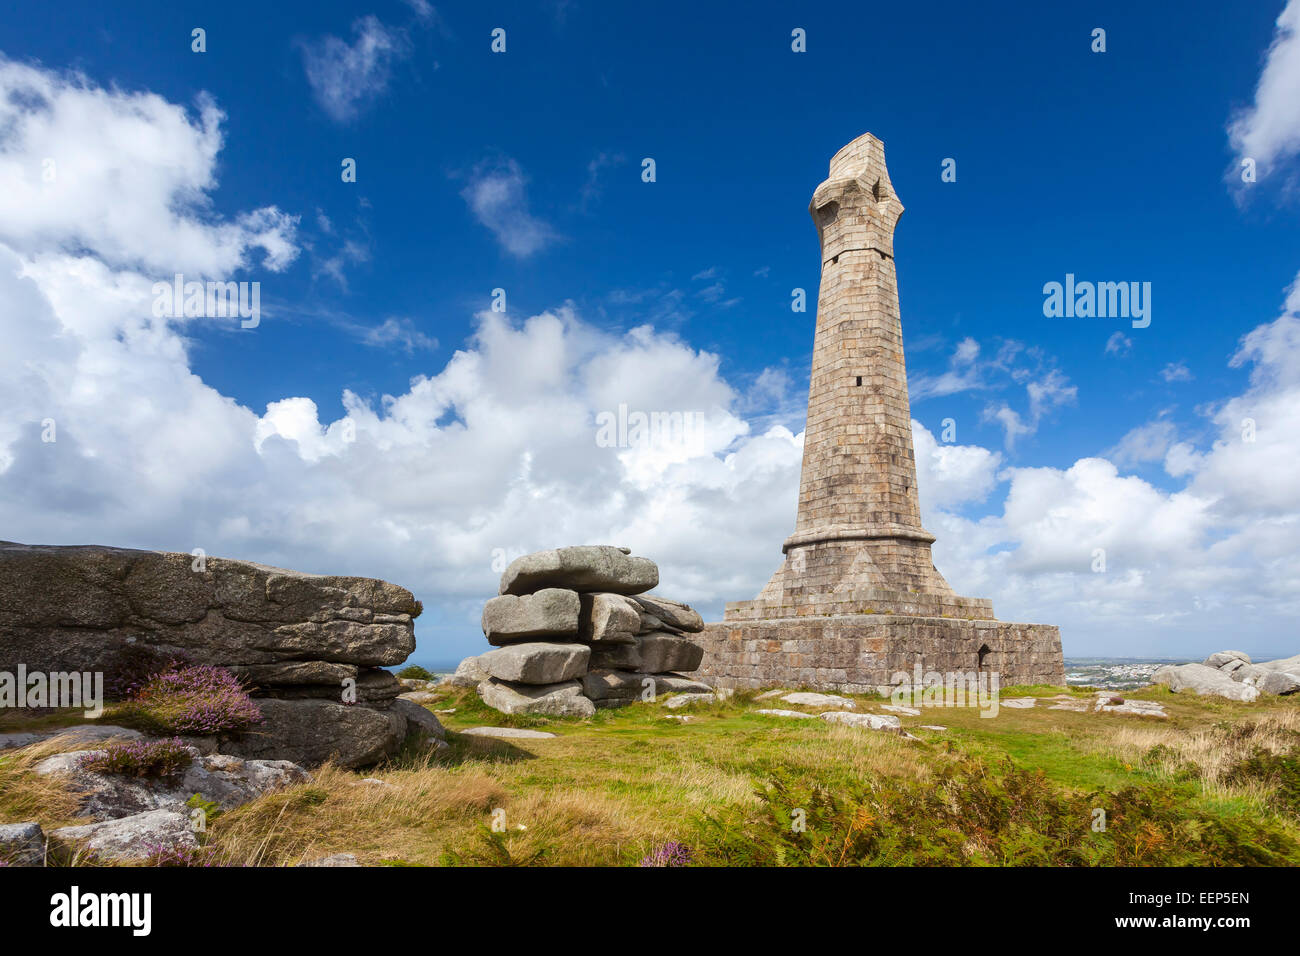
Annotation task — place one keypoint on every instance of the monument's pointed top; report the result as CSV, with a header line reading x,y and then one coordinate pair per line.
x,y
865,152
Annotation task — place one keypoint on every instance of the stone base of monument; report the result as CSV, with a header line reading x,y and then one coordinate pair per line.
x,y
867,653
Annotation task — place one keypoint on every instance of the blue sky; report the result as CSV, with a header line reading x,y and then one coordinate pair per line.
x,y
522,171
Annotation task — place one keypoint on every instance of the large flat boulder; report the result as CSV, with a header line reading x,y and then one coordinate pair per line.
x,y
80,608
309,732
1204,681
605,684
651,654
536,662
550,612
370,686
557,700
582,568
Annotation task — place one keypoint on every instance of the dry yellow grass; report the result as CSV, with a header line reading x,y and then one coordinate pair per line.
x,y
27,795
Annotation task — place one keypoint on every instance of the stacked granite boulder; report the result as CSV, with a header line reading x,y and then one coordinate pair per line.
x,y
310,648
574,630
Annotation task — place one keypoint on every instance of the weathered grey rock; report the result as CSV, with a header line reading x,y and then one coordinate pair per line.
x,y
1078,706
420,697
675,614
468,674
291,673
650,654
769,694
1018,703
419,719
22,844
603,684
557,700
309,732
550,612
1272,677
885,722
785,713
507,733
536,662
582,568
1278,682
609,619
372,686
1223,657
132,838
220,778
1135,708
81,608
810,699
685,700
76,735
1203,681
1290,664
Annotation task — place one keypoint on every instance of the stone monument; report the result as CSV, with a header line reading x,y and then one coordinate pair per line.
x,y
858,598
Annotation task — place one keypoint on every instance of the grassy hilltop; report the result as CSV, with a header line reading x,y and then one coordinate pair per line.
x,y
1217,783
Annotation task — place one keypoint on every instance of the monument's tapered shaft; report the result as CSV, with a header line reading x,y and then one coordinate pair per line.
x,y
859,474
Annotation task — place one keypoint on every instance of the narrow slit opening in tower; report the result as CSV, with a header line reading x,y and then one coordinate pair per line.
x,y
859,379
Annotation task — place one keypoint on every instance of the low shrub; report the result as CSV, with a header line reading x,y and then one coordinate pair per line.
x,y
1281,772
166,855
199,699
131,666
140,758
671,853
968,814
415,672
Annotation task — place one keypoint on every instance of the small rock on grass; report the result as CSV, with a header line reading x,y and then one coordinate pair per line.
x,y
1078,706
22,844
809,699
786,713
1018,703
134,837
683,700
887,723
506,732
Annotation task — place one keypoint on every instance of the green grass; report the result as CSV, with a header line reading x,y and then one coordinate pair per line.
x,y
1217,777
